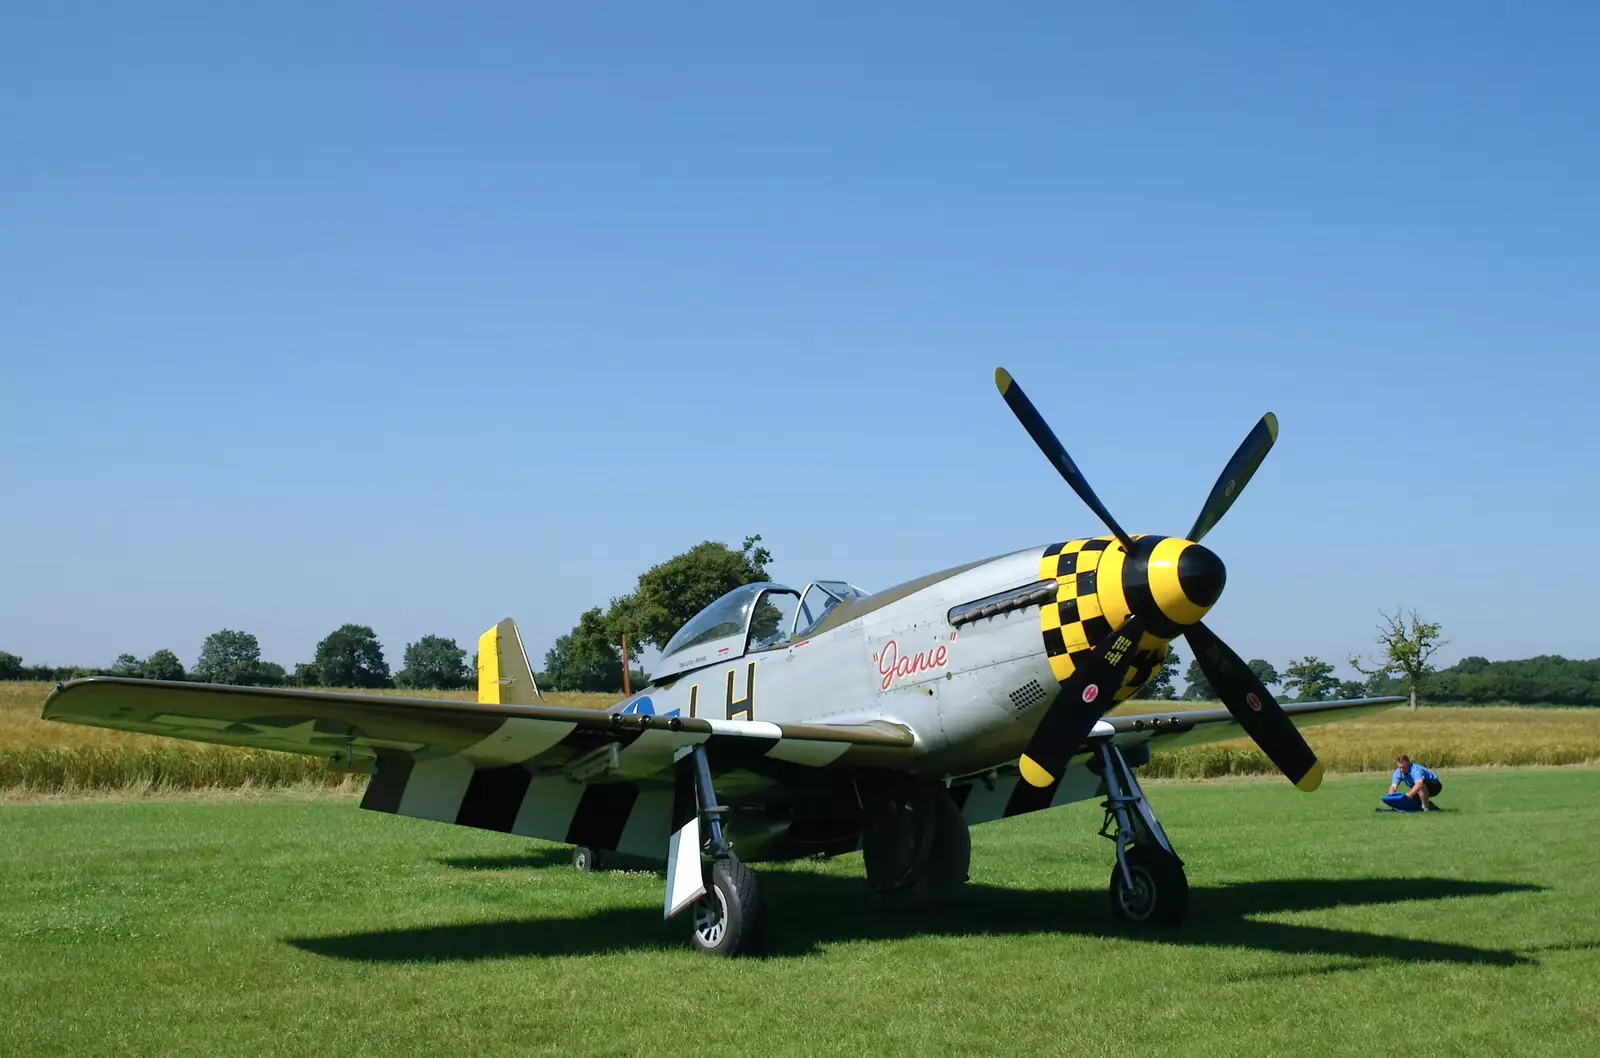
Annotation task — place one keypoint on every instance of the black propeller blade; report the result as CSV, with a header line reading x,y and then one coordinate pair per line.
x,y
1254,707
1085,695
1042,436
1236,475
1083,699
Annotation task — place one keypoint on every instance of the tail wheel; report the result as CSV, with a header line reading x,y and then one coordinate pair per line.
x,y
585,858
728,919
1159,895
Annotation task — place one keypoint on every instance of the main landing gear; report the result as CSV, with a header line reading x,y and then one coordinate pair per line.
x,y
1148,886
728,919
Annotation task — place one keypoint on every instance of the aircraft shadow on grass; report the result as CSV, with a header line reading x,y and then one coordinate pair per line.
x,y
839,909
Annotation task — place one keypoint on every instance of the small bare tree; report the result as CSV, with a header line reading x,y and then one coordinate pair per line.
x,y
1407,647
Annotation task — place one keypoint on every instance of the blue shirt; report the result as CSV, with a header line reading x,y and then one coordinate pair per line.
x,y
1418,773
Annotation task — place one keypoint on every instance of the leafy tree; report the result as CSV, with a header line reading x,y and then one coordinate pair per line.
x,y
1198,686
1405,649
305,674
1264,671
434,662
127,665
1547,678
270,674
586,658
351,656
10,666
670,593
163,665
1160,685
1351,689
1311,678
228,657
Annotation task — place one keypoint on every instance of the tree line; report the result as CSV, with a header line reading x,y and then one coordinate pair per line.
x,y
667,595
588,658
349,656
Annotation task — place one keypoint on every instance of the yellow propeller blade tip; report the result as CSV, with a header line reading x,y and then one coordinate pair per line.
x,y
1272,425
1035,775
1311,779
1002,378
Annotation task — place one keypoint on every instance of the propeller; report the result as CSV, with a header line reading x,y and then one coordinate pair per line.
x,y
1254,707
1169,585
1053,450
1236,475
1086,695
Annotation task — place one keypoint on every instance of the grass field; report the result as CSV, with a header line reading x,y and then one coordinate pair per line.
x,y
298,923
37,756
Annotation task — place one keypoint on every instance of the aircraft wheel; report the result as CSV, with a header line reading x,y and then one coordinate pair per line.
x,y
585,858
728,919
1160,893
950,853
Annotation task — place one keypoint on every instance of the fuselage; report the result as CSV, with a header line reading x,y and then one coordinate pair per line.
x,y
967,659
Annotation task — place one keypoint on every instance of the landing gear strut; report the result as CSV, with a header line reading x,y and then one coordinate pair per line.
x,y
1148,886
728,918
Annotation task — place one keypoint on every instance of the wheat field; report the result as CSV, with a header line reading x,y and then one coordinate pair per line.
x,y
45,757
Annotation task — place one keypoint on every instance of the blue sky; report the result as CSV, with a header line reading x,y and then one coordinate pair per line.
x,y
419,317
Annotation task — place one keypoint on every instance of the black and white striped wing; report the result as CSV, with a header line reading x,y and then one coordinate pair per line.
x,y
576,775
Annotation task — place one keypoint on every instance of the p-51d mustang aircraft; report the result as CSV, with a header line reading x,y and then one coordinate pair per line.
x,y
818,721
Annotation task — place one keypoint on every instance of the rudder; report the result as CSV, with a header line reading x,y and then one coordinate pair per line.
x,y
504,676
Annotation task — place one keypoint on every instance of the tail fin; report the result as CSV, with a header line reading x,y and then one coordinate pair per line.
x,y
504,676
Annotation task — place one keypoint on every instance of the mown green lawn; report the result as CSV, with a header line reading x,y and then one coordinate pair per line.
x,y
300,925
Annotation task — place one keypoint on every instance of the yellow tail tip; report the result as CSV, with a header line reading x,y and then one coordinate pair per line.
x,y
1002,378
1035,775
1311,779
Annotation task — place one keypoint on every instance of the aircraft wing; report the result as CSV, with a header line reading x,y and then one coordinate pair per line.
x,y
1173,730
1002,793
576,775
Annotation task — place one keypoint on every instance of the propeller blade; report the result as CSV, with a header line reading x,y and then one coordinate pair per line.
x,y
1042,436
1236,475
1257,711
1083,699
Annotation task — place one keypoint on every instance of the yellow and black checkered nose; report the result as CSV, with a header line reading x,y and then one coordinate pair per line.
x,y
1171,582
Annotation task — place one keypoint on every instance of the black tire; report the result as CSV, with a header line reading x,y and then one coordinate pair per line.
x,y
585,858
728,919
949,857
897,834
1160,895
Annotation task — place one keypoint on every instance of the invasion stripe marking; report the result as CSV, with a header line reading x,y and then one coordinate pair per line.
x,y
654,750
494,797
436,789
602,814
547,808
805,751
746,728
388,783
649,825
984,804
516,740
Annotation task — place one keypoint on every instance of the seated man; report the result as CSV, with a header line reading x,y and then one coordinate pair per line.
x,y
1422,780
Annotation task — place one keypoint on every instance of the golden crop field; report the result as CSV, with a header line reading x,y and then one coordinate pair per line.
x,y
42,756
38,756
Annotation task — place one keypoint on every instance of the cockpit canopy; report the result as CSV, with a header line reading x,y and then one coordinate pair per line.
x,y
752,617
